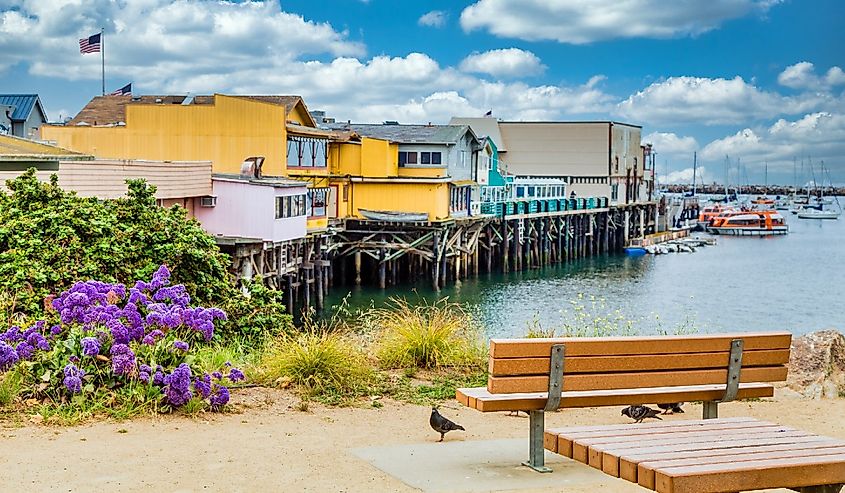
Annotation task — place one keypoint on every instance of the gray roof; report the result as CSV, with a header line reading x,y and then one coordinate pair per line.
x,y
483,126
23,104
408,134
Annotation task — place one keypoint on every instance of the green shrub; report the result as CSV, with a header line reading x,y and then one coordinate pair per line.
x,y
434,335
50,238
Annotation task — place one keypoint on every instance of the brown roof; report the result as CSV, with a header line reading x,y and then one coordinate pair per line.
x,y
109,110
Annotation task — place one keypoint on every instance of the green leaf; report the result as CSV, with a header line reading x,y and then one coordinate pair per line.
x,y
46,376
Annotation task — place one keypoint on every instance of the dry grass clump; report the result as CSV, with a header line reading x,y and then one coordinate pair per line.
x,y
434,335
324,364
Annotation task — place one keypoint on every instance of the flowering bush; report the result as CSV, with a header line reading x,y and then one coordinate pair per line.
x,y
50,238
113,337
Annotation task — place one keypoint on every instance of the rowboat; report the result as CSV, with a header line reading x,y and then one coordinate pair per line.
x,y
394,216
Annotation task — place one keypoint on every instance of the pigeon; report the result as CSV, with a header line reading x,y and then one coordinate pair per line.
x,y
639,413
441,424
671,408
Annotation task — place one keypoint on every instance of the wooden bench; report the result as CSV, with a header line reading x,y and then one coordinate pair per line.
x,y
539,375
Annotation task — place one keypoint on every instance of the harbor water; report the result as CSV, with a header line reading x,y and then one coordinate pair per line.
x,y
793,282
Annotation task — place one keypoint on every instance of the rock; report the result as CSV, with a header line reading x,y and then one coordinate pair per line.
x,y
817,365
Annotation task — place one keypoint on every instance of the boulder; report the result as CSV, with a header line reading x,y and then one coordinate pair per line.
x,y
817,365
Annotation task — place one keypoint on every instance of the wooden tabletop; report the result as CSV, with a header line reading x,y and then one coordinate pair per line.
x,y
714,455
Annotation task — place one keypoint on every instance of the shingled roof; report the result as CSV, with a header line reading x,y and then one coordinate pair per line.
x,y
109,110
408,134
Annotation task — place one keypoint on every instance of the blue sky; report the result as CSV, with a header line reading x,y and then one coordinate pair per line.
x,y
760,81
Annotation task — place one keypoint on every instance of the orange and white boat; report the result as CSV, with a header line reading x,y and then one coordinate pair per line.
x,y
763,200
749,223
710,212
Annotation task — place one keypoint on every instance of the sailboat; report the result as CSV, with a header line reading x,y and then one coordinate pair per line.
x,y
818,211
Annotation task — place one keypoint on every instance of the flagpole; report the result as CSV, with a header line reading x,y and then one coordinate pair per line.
x,y
103,57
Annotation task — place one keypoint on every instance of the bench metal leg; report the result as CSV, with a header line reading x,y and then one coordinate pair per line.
x,y
710,410
536,452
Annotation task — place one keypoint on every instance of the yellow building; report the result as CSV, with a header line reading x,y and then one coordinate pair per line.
x,y
367,182
345,172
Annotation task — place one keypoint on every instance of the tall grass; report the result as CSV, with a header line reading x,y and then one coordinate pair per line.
x,y
11,383
324,364
429,335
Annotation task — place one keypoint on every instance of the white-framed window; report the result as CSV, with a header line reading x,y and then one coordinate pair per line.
x,y
305,152
317,200
290,206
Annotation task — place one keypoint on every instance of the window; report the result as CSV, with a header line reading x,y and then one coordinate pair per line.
x,y
317,199
346,192
425,158
520,192
307,152
614,192
530,191
290,206
435,158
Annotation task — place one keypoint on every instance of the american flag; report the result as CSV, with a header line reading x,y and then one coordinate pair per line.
x,y
91,44
127,89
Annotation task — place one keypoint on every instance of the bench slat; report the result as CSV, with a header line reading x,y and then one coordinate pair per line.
x,y
625,465
775,473
609,381
637,433
645,475
482,400
602,364
614,460
614,346
587,449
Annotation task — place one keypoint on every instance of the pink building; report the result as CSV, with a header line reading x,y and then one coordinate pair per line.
x,y
267,209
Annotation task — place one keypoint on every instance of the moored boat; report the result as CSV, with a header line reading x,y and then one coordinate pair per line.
x,y
749,223
709,213
763,200
394,216
818,213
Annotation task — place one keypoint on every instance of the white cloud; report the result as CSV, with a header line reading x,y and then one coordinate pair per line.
x,y
435,18
713,101
586,21
668,142
802,75
820,136
685,176
509,62
162,40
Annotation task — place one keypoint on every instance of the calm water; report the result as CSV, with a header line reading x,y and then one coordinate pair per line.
x,y
792,282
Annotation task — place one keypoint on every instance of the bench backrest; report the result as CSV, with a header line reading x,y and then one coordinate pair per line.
x,y
607,363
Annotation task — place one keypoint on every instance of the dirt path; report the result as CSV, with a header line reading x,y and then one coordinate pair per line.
x,y
271,446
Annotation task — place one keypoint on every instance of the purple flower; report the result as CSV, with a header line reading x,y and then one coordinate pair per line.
x,y
236,375
73,378
56,330
11,335
123,359
158,378
24,350
180,346
178,386
203,385
90,346
217,375
36,340
118,332
150,339
8,356
219,398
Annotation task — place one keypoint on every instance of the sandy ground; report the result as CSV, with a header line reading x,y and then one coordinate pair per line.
x,y
269,445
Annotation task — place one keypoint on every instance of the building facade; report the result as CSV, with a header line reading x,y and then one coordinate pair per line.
x,y
21,115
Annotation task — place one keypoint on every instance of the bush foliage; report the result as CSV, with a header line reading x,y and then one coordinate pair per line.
x,y
50,239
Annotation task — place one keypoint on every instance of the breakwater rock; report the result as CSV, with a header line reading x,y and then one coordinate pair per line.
x,y
817,365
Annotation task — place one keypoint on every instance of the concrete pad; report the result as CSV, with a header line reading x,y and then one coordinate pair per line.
x,y
488,465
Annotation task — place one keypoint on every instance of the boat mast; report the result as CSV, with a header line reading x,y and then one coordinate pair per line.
x,y
694,166
766,179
